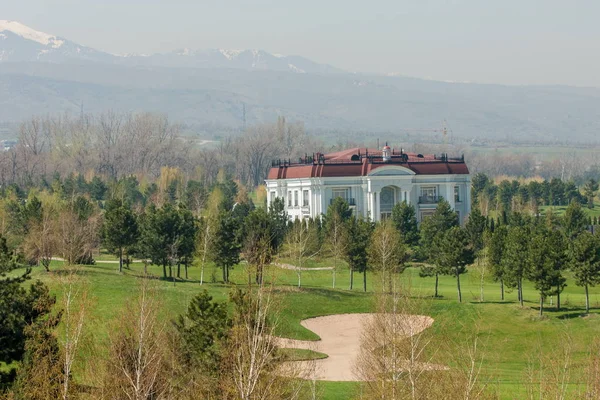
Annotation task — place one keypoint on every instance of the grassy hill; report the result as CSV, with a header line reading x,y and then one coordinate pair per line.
x,y
512,334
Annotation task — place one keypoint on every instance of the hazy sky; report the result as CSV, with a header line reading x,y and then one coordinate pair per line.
x,y
508,41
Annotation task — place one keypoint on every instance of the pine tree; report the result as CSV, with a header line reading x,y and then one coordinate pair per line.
x,y
575,220
514,258
496,247
589,189
356,255
456,253
432,231
405,219
120,230
225,252
543,256
585,263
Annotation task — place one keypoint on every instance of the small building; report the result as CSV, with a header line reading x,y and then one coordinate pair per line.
x,y
371,181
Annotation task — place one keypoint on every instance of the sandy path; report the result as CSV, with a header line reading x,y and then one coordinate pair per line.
x,y
340,340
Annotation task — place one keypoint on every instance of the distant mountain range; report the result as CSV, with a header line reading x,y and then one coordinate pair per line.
x,y
217,90
20,43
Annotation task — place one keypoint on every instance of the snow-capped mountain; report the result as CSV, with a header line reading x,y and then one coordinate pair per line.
x,y
20,43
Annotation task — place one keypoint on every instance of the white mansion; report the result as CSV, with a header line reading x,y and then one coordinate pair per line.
x,y
371,181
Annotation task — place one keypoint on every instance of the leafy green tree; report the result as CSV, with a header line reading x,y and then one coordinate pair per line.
x,y
225,251
120,230
455,253
585,263
356,255
203,332
589,189
575,220
433,230
405,220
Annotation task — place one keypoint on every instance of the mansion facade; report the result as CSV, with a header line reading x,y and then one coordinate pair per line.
x,y
371,182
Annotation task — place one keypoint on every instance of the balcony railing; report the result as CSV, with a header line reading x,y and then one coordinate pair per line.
x,y
429,199
350,201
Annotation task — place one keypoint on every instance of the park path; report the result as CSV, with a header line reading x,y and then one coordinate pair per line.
x,y
294,268
340,340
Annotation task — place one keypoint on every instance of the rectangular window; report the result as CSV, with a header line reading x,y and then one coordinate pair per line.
x,y
428,195
305,198
428,191
289,198
456,194
340,192
295,198
273,196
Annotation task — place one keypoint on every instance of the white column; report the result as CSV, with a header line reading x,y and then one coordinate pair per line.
x,y
450,194
377,198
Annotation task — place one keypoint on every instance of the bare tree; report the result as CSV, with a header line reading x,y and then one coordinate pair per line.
x,y
137,366
394,354
76,237
301,243
75,304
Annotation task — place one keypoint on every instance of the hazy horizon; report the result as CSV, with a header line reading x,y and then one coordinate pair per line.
x,y
536,42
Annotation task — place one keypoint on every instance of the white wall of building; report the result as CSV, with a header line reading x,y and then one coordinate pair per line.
x,y
314,195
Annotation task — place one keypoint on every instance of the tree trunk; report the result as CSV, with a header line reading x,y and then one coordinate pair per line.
x,y
502,289
299,273
557,298
121,260
351,277
521,291
334,278
436,284
458,286
365,280
186,270
202,272
587,300
178,270
165,271
224,274
541,305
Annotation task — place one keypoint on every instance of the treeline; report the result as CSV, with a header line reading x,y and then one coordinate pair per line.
x,y
508,196
113,146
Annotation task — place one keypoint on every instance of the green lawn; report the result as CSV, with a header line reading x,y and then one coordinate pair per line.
x,y
560,210
511,333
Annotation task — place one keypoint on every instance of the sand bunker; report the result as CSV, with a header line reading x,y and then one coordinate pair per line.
x,y
340,340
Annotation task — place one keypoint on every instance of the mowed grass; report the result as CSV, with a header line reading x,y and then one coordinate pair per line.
x,y
560,210
511,334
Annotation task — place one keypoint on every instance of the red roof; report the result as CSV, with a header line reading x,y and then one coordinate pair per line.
x,y
362,162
